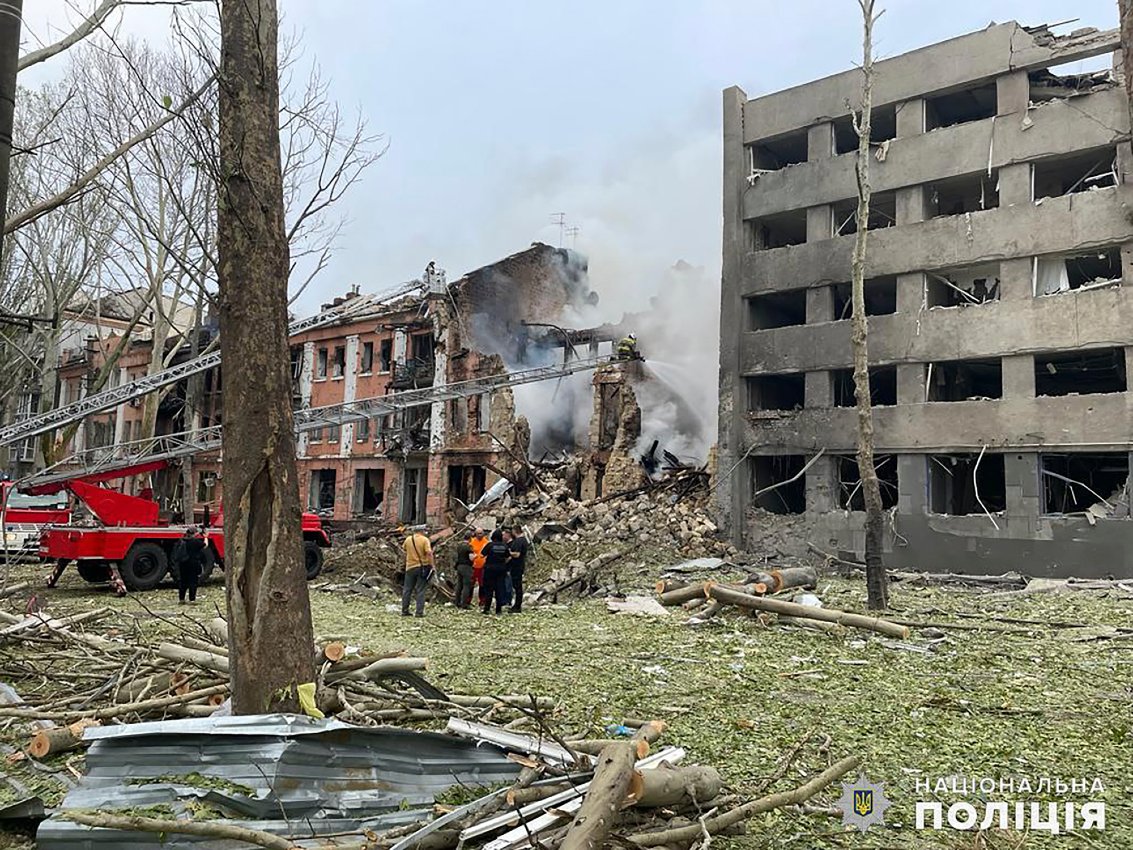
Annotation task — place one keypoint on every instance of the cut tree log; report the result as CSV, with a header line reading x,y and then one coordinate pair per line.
x,y
114,710
791,609
218,630
666,585
666,785
206,828
384,667
682,594
595,746
334,651
790,577
714,825
48,742
201,658
13,589
612,776
808,623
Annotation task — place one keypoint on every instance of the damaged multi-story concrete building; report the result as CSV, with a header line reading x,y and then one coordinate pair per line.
x,y
999,297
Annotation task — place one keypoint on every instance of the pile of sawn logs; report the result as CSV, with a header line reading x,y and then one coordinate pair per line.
x,y
68,676
704,600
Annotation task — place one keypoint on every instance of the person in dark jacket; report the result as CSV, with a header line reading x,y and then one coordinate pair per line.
x,y
462,567
496,557
189,556
516,566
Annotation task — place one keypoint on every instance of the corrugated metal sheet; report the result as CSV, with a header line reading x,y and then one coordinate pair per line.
x,y
267,772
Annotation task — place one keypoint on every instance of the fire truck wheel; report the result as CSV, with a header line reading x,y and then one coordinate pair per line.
x,y
312,558
208,563
144,567
95,572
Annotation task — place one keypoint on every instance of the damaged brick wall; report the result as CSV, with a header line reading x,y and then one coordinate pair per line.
x,y
611,465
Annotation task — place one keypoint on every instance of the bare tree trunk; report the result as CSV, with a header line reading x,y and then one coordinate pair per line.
x,y
269,613
876,584
9,49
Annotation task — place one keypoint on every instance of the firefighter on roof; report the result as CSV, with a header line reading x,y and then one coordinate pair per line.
x,y
627,348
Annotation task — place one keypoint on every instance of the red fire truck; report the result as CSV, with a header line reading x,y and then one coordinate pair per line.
x,y
124,540
24,519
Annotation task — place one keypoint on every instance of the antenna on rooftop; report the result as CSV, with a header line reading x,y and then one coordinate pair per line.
x,y
572,232
559,218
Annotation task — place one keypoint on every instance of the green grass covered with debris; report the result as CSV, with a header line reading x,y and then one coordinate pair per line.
x,y
993,699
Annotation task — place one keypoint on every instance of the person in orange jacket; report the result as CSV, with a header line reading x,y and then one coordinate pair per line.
x,y
478,542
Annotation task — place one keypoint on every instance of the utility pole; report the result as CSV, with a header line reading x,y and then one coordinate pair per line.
x,y
10,13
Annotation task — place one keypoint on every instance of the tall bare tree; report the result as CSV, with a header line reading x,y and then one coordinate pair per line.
x,y
269,613
876,581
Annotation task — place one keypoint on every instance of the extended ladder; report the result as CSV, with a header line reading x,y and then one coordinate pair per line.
x,y
171,446
355,308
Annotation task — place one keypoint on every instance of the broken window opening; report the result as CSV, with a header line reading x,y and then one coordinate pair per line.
x,y
1095,270
780,152
321,364
422,347
966,194
334,433
367,365
339,367
322,493
882,386
466,484
1078,172
1086,483
296,362
369,491
1048,84
315,435
850,496
413,491
385,354
964,380
880,298
609,414
771,470
362,430
954,482
882,127
962,287
458,415
777,310
882,213
959,107
777,392
206,486
1096,371
777,231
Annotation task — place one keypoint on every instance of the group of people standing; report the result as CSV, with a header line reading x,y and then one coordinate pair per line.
x,y
495,564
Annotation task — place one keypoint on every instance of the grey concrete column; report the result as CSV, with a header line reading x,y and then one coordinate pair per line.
x,y
819,390
1013,92
1127,263
733,498
1128,363
912,204
910,292
820,486
1015,184
1024,490
818,226
820,141
910,118
1016,279
819,304
912,483
1125,162
1019,376
910,383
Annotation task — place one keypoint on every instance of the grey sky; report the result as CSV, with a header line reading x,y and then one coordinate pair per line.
x,y
501,113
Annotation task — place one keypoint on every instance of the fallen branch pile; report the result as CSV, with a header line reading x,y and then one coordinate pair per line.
x,y
706,599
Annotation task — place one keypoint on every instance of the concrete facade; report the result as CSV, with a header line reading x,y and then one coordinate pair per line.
x,y
999,273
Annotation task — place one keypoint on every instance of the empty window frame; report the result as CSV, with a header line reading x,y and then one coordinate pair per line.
x,y
385,354
779,483
323,489
465,484
1076,482
1078,172
458,415
777,392
964,380
321,363
776,153
850,497
1048,84
777,309
966,484
369,491
367,365
962,287
1099,370
362,430
882,386
880,298
338,368
967,193
883,126
1095,270
882,213
960,107
777,231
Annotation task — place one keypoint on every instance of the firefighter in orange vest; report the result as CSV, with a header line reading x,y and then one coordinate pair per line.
x,y
477,543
